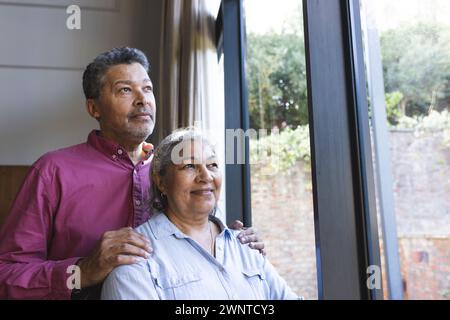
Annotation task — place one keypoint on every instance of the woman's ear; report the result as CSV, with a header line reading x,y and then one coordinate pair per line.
x,y
158,182
92,109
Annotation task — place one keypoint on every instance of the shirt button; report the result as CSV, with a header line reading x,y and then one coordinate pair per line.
x,y
119,151
138,203
114,156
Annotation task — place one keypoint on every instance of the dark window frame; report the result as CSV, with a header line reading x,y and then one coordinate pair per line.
x,y
238,193
343,185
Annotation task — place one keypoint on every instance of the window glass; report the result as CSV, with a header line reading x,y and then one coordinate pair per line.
x,y
414,42
281,186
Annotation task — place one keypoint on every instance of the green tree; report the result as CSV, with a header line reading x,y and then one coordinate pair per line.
x,y
392,111
276,75
416,62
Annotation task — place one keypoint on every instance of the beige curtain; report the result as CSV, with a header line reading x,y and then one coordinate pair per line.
x,y
188,67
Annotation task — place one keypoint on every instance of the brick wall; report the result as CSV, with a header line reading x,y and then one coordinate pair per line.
x,y
283,212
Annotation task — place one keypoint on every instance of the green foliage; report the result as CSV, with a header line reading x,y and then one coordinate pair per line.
x,y
276,74
434,122
278,152
416,62
392,106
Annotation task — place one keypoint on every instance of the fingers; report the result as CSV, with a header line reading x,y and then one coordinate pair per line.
x,y
244,239
122,259
124,246
237,225
137,240
131,250
248,235
257,245
130,237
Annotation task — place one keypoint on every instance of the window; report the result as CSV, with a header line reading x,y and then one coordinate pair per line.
x,y
280,152
345,224
407,57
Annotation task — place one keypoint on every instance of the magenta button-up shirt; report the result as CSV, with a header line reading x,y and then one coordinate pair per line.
x,y
68,200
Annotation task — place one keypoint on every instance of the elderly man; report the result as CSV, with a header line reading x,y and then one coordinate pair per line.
x,y
78,206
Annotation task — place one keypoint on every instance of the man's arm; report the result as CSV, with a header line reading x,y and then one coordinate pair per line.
x,y
25,272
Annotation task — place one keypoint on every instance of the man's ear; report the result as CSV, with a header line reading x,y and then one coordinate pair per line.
x,y
92,108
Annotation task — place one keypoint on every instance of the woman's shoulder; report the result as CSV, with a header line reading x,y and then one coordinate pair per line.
x,y
144,228
251,258
151,226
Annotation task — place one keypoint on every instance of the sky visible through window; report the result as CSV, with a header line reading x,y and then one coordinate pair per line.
x,y
262,16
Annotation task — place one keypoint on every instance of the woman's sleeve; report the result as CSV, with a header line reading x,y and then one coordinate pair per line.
x,y
130,282
279,289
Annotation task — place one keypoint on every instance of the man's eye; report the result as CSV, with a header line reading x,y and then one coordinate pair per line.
x,y
189,166
213,165
148,88
125,90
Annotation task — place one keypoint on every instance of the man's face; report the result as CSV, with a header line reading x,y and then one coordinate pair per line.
x,y
126,106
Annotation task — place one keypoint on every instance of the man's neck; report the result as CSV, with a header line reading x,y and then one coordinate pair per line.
x,y
134,152
132,148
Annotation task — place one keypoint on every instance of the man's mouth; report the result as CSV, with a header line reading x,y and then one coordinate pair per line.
x,y
142,116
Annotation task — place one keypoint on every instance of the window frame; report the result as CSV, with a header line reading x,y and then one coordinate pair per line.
x,y
345,217
238,192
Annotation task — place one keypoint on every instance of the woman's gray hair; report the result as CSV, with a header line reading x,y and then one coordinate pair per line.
x,y
163,158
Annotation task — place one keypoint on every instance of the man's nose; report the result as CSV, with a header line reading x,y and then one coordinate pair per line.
x,y
143,99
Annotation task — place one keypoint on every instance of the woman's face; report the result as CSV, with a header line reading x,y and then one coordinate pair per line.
x,y
192,185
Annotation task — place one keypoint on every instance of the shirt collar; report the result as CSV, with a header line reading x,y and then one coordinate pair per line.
x,y
162,227
112,149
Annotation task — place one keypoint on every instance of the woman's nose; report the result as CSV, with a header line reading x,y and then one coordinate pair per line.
x,y
204,174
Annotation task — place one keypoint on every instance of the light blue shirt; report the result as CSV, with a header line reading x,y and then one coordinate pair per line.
x,y
180,269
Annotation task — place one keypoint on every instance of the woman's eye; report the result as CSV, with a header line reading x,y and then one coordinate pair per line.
x,y
213,165
148,89
189,166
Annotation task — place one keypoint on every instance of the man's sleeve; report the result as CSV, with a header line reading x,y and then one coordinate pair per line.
x,y
25,272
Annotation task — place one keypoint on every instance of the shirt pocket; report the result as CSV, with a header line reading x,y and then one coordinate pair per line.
x,y
257,281
177,286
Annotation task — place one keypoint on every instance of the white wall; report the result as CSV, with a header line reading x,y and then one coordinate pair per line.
x,y
42,62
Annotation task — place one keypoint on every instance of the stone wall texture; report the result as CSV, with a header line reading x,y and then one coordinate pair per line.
x,y
282,210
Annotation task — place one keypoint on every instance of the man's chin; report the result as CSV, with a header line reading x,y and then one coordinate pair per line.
x,y
141,133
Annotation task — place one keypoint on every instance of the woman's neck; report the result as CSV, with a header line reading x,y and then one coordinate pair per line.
x,y
200,229
188,225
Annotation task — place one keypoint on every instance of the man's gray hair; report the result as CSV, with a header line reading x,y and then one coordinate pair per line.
x,y
96,70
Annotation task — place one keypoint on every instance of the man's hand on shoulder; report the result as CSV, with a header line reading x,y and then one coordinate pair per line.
x,y
249,236
115,248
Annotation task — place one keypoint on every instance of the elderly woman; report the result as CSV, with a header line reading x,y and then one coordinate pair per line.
x,y
195,255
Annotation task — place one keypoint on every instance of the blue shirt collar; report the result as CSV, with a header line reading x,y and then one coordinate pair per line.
x,y
162,227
